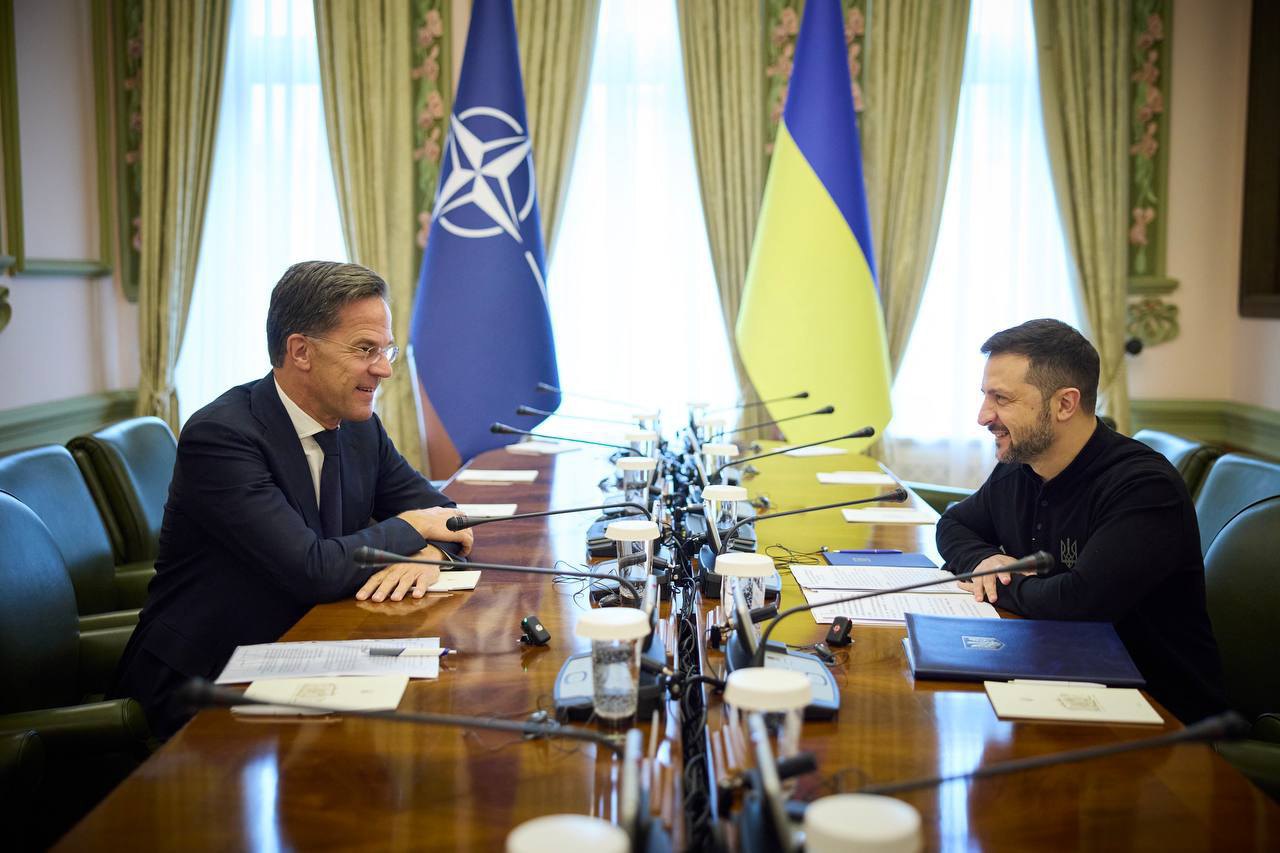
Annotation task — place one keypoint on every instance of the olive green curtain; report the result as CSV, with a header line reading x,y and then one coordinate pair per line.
x,y
183,54
365,67
913,69
557,38
1084,85
722,42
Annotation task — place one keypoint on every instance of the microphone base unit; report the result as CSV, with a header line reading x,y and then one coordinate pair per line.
x,y
572,690
604,588
826,692
712,584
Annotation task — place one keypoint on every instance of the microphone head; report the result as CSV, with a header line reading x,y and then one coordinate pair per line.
x,y
865,432
898,495
825,410
503,429
550,389
457,522
372,558
803,395
1225,726
528,410
198,693
1043,563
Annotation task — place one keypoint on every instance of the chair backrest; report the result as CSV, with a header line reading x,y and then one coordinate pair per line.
x,y
127,467
1191,458
1242,585
1234,482
39,633
48,481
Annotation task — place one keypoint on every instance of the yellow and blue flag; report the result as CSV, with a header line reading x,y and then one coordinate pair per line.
x,y
810,315
481,324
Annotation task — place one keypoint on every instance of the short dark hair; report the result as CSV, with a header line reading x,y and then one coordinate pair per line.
x,y
1060,357
309,296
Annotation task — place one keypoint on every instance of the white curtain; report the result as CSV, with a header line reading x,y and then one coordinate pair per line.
x,y
271,199
1001,257
633,297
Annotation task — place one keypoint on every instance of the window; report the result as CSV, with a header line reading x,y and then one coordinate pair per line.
x,y
1001,256
272,200
633,297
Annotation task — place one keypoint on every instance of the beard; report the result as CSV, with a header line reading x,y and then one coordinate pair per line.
x,y
1025,446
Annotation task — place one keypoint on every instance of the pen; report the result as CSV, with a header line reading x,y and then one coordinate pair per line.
x,y
866,551
410,652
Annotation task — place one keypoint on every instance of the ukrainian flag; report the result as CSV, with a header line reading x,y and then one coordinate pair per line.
x,y
810,315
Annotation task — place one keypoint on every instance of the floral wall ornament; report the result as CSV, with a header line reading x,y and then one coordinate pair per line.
x,y
127,37
1152,320
1148,147
6,310
431,93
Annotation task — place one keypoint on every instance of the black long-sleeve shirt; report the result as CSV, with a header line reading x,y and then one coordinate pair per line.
x,y
1122,530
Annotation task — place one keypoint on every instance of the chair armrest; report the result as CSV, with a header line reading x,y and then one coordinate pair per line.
x,y
1258,760
111,726
131,585
21,763
99,655
939,497
110,619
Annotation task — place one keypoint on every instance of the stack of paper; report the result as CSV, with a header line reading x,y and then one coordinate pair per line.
x,y
487,510
1067,702
892,609
327,660
327,695
891,515
456,581
821,450
541,448
495,477
873,577
856,478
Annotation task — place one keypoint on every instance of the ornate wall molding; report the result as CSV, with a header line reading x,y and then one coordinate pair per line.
x,y
432,95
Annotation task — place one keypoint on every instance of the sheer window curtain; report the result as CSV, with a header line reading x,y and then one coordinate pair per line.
x,y
1001,256
633,294
271,200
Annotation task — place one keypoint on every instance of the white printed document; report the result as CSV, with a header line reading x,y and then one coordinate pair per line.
x,y
541,448
873,577
359,693
856,478
471,475
490,510
327,660
456,581
891,515
1063,702
892,609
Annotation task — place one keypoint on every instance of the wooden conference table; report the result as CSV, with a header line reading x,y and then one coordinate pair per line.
x,y
224,783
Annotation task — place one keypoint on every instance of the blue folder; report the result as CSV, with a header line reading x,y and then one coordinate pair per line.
x,y
958,649
899,561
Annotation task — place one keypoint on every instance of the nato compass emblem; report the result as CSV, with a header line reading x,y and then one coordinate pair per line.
x,y
487,187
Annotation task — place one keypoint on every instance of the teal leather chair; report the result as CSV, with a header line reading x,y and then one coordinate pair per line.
x,y
1234,482
127,467
48,481
1191,458
52,677
1241,573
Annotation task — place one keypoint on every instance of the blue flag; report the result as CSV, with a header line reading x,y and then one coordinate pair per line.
x,y
481,325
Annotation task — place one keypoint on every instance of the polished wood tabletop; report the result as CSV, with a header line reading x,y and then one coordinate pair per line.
x,y
226,783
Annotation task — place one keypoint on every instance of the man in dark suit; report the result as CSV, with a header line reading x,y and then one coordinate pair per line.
x,y
276,484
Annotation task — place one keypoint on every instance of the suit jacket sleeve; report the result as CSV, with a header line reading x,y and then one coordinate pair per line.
x,y
966,533
229,480
401,487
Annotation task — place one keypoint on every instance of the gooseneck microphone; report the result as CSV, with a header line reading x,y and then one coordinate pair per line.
x,y
503,429
825,410
373,558
896,496
531,411
199,693
1041,563
865,432
462,522
1225,726
803,395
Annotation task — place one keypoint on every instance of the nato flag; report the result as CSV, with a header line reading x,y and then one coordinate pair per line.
x,y
481,324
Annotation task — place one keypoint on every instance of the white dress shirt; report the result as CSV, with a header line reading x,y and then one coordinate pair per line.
x,y
306,427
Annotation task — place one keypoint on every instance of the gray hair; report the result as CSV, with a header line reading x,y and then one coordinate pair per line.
x,y
309,297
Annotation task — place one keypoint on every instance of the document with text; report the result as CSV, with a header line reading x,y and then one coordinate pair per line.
x,y
872,577
892,609
328,659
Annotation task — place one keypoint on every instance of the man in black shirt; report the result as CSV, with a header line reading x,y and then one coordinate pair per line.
x,y
1114,514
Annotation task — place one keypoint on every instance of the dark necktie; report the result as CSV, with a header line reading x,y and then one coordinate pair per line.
x,y
330,484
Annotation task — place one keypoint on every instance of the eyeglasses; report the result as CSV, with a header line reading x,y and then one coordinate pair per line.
x,y
369,354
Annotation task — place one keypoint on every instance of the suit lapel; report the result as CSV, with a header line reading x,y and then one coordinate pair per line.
x,y
286,450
